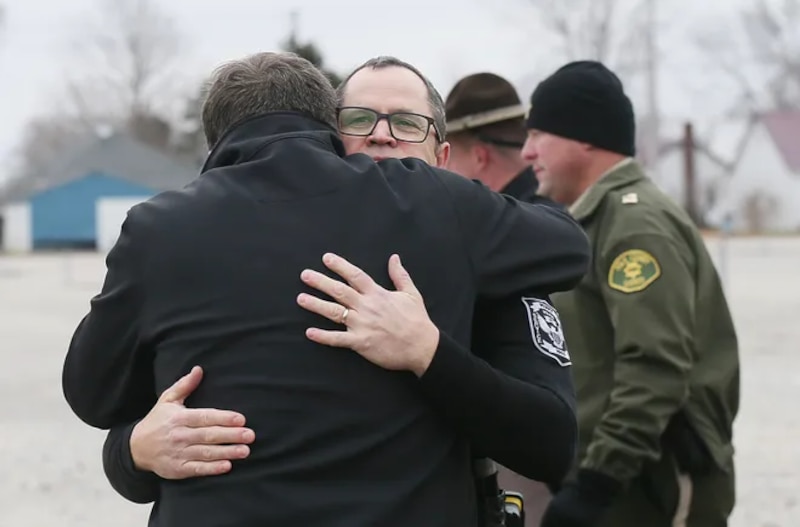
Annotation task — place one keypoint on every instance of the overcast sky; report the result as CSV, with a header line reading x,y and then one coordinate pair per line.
x,y
445,39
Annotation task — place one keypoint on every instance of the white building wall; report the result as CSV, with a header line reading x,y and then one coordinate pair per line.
x,y
110,213
17,227
762,172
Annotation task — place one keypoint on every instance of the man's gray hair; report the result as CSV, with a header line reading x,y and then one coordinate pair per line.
x,y
261,83
434,98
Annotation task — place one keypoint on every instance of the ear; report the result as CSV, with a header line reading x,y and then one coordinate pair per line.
x,y
482,155
443,155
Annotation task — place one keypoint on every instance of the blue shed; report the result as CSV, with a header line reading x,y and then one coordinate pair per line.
x,y
63,211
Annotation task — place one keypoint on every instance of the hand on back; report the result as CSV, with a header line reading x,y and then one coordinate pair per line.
x,y
176,442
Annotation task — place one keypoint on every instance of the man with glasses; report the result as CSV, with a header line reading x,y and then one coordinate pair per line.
x,y
390,110
406,127
384,86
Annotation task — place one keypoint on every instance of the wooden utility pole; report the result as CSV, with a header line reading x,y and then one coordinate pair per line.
x,y
690,179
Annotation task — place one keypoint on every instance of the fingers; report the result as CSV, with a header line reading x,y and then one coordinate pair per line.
x,y
330,310
192,469
209,453
340,292
400,278
183,387
214,435
206,451
358,279
205,417
337,339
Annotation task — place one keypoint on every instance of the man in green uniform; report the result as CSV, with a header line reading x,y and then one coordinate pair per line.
x,y
655,356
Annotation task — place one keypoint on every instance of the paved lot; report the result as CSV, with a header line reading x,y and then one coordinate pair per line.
x,y
51,469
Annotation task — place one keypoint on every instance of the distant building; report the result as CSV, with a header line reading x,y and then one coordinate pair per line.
x,y
763,192
83,200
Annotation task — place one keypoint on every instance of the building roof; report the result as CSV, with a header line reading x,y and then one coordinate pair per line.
x,y
118,155
784,129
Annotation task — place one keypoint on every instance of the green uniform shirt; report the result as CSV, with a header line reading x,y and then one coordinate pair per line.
x,y
649,329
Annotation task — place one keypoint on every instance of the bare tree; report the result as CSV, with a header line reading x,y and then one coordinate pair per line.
x,y
611,31
620,34
47,137
121,75
191,138
764,66
130,50
308,50
127,74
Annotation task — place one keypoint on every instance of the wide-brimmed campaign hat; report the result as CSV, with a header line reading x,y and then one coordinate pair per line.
x,y
483,99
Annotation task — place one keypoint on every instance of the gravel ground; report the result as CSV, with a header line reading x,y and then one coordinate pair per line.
x,y
52,472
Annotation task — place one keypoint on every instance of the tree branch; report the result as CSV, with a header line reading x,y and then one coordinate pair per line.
x,y
130,49
766,65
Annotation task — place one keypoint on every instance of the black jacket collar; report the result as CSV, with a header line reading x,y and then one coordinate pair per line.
x,y
246,140
523,187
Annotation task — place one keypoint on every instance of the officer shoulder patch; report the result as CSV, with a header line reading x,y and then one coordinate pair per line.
x,y
633,270
545,324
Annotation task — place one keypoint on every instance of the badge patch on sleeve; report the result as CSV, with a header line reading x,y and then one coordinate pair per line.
x,y
633,271
545,324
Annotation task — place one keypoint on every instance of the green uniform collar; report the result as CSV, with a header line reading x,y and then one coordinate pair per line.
x,y
623,174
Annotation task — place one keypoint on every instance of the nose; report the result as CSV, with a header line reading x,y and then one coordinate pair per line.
x,y
381,135
528,151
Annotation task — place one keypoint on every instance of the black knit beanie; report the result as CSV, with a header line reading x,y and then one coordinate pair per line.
x,y
585,101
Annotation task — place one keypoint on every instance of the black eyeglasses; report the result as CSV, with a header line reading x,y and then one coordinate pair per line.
x,y
404,126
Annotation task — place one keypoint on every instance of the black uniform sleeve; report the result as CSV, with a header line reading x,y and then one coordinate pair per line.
x,y
132,484
108,373
516,246
513,398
